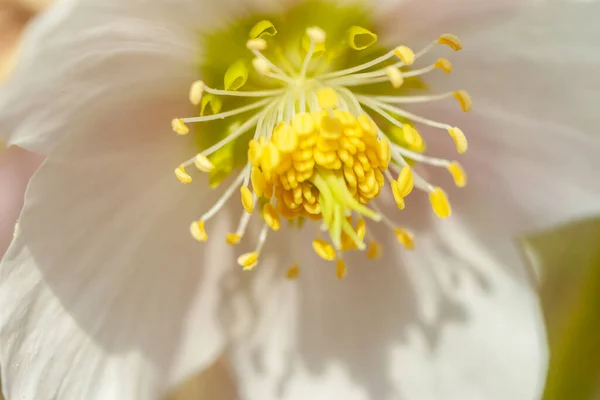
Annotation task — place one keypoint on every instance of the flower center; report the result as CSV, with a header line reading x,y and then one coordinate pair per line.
x,y
320,142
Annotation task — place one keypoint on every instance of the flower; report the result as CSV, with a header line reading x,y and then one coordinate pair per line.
x,y
105,295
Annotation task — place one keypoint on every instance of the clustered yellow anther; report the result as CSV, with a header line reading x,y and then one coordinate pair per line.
x,y
320,151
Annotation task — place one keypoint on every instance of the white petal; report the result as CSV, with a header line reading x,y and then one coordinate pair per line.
x,y
81,55
445,321
533,132
104,287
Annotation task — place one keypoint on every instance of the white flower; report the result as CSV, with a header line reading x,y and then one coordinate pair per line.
x,y
105,296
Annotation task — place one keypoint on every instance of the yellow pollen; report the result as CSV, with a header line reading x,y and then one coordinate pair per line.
x,y
373,250
398,198
458,174
451,41
247,199
293,272
406,181
405,54
303,123
196,91
459,139
271,217
198,232
327,98
324,249
256,44
405,238
395,76
233,238
439,203
182,175
463,97
179,126
444,65
203,163
248,260
341,270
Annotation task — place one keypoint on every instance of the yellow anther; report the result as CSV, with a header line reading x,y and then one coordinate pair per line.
x,y
367,125
198,232
395,76
341,270
316,34
327,98
458,174
361,229
303,123
255,151
439,203
405,238
182,175
406,181
285,139
360,38
293,272
248,260
233,238
451,41
324,249
459,139
384,152
247,199
373,250
261,66
179,127
405,54
464,99
331,129
271,217
397,195
444,65
203,163
262,29
196,91
256,44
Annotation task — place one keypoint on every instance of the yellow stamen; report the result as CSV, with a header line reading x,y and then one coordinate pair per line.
x,y
248,260
451,41
198,232
182,175
247,199
196,91
293,272
324,249
271,217
327,98
406,181
395,76
203,163
256,44
439,203
463,97
405,54
373,250
405,238
459,139
179,126
444,65
398,198
458,174
316,34
233,238
341,270
261,66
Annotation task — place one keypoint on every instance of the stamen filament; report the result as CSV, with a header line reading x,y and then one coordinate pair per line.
x,y
360,67
411,99
226,195
279,73
259,93
230,113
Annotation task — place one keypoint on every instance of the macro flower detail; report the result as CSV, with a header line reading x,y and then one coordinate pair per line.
x,y
323,140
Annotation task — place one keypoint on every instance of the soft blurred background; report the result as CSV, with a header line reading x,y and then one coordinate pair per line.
x,y
566,261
